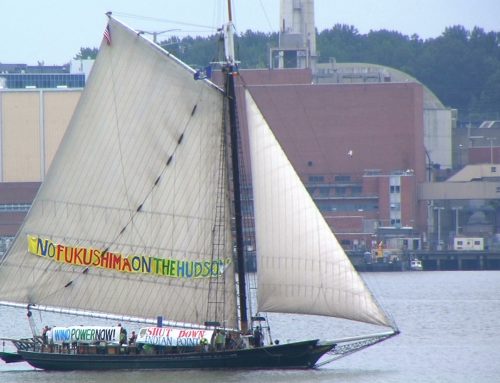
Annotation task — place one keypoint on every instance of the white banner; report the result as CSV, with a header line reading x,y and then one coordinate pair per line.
x,y
84,334
172,336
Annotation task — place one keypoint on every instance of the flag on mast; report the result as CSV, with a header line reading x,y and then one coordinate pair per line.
x,y
107,35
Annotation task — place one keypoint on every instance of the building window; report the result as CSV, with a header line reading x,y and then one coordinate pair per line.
x,y
340,190
396,206
316,179
356,190
14,207
345,242
395,189
324,191
342,178
493,169
44,80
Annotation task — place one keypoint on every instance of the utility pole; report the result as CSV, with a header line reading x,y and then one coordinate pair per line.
x,y
491,139
438,209
457,226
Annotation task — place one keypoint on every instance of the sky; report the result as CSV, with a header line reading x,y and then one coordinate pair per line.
x,y
53,31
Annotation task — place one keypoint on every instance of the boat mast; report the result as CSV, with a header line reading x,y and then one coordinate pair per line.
x,y
229,71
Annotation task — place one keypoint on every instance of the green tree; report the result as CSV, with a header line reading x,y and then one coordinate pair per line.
x,y
86,53
342,42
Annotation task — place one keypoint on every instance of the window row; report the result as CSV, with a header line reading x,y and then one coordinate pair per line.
x,y
14,207
22,81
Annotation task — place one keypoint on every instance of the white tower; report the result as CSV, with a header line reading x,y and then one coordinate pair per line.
x,y
297,36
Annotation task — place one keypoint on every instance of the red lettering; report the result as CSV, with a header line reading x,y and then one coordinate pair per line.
x,y
168,331
104,260
87,256
76,255
191,333
59,250
68,258
126,265
116,261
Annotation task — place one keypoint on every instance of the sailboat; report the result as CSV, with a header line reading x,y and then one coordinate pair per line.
x,y
139,219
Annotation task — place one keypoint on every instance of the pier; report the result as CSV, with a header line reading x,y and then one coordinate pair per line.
x,y
435,260
460,260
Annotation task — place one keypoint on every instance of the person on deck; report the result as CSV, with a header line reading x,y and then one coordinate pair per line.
x,y
123,335
231,342
204,344
44,334
219,340
133,338
258,338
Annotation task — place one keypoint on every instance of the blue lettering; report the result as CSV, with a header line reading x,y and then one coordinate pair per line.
x,y
62,335
136,263
146,264
40,248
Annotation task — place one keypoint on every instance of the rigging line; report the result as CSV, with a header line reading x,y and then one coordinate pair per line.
x,y
271,27
312,130
372,285
150,18
236,16
134,212
248,219
248,223
218,232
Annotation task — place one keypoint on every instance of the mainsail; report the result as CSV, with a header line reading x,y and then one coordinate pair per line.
x,y
133,216
302,267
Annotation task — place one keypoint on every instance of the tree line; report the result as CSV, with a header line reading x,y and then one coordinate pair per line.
x,y
461,67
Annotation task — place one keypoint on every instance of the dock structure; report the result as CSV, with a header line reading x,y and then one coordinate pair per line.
x,y
460,260
435,261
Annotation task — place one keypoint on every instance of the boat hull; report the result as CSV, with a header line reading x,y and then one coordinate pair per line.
x,y
11,357
291,355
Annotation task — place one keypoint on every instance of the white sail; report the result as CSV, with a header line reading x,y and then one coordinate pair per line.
x,y
302,267
138,174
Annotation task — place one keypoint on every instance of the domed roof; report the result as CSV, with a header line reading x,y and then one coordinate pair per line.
x,y
430,99
478,218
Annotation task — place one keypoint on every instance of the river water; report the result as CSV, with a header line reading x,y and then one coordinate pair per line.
x,y
450,332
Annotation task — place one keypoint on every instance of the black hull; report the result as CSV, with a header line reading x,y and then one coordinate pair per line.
x,y
292,355
11,357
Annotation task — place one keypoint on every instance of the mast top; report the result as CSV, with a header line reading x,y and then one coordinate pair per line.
x,y
228,30
229,12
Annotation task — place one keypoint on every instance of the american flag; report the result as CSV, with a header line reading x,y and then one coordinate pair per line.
x,y
107,35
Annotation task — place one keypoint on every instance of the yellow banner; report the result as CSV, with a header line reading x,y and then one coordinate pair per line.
x,y
87,257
